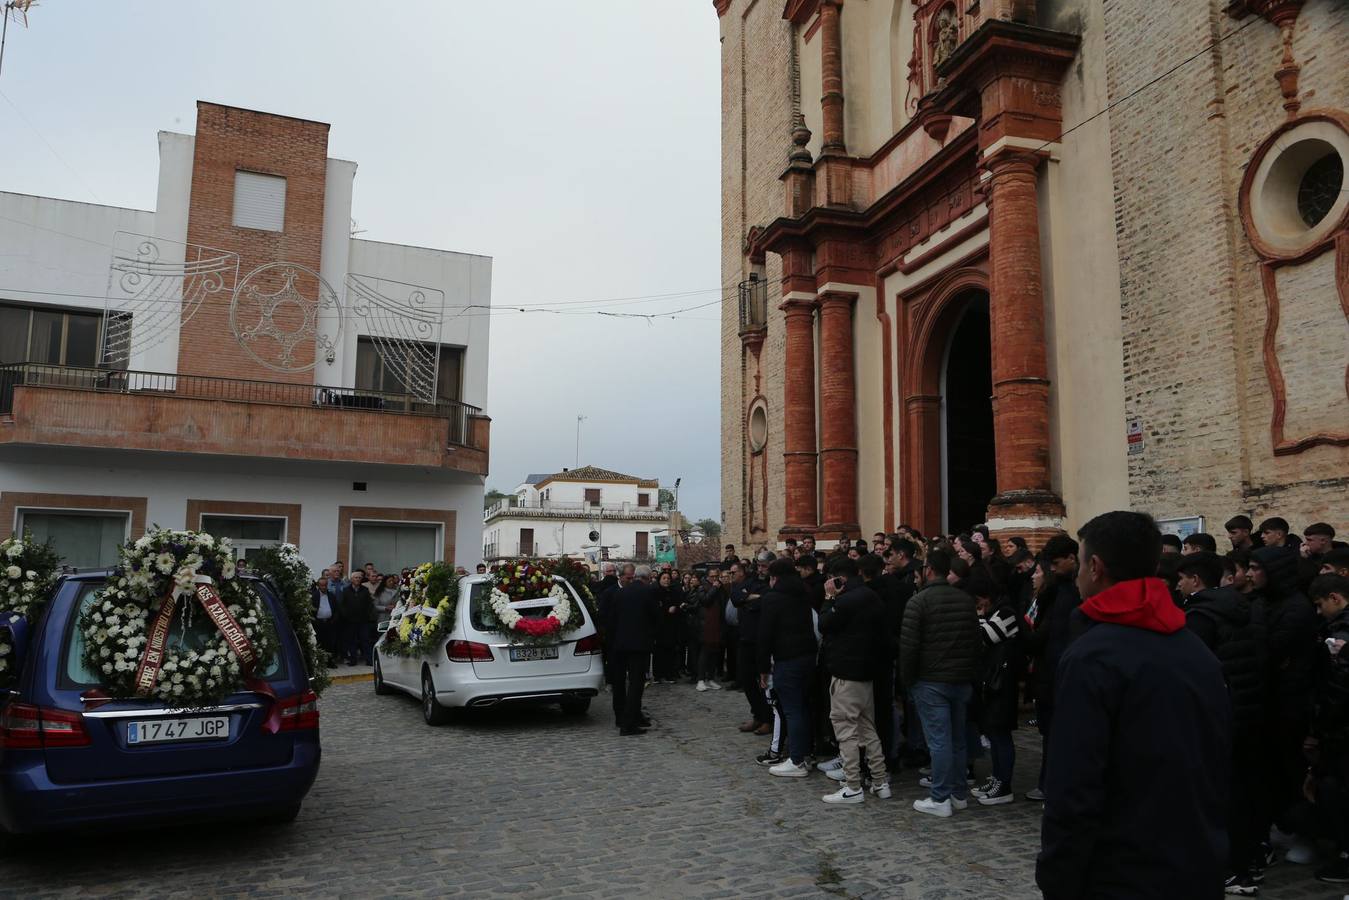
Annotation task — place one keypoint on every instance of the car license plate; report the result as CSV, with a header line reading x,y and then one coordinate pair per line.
x,y
158,731
530,654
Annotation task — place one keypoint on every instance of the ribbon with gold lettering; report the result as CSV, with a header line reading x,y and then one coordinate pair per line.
x,y
156,639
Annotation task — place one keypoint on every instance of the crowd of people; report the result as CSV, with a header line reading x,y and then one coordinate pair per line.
x,y
1192,706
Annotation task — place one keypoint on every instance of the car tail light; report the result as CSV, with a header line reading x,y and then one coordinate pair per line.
x,y
588,646
468,651
299,713
23,726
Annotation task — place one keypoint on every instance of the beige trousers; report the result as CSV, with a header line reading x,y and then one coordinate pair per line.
x,y
852,710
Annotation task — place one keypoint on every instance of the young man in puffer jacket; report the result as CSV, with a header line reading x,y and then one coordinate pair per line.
x,y
1233,628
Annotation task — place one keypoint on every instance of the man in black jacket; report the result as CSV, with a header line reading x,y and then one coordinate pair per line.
x,y
1292,627
1328,744
357,606
633,615
1050,639
1136,790
851,622
745,597
787,652
872,569
1233,628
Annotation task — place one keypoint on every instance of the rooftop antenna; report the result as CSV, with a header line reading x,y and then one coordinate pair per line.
x,y
579,420
18,10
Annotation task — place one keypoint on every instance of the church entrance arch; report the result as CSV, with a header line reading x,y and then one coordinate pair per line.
x,y
969,471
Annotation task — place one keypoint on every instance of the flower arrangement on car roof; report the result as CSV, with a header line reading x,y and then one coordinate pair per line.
x,y
418,623
27,575
163,582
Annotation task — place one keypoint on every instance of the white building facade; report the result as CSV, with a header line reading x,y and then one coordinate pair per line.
x,y
235,361
586,512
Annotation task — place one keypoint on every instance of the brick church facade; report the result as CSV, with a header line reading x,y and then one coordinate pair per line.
x,y
1021,262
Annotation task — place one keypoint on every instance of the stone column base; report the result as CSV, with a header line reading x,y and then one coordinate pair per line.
x,y
846,531
1035,516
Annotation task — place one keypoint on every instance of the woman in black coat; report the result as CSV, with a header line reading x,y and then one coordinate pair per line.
x,y
665,663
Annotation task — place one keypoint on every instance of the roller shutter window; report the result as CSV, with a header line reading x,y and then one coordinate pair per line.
x,y
259,201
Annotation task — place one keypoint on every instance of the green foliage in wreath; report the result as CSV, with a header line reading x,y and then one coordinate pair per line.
x,y
27,576
290,576
420,622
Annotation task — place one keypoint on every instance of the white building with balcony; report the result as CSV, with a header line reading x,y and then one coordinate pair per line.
x,y
233,360
587,512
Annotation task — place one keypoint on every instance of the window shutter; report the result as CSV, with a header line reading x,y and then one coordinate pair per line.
x,y
259,201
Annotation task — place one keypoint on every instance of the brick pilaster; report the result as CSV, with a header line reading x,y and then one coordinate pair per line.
x,y
838,416
831,62
798,412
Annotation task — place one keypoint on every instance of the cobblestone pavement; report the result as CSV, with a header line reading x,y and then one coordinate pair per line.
x,y
529,803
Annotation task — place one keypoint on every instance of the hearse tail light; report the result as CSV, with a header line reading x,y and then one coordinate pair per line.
x,y
468,651
588,646
23,726
299,713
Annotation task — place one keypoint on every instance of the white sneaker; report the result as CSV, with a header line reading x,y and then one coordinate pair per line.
x,y
933,808
830,764
788,769
881,790
1301,853
845,795
957,803
925,781
714,685
837,774
700,686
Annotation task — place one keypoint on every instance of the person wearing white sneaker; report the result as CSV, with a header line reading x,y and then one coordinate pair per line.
x,y
700,687
787,650
881,790
789,769
830,765
845,794
939,808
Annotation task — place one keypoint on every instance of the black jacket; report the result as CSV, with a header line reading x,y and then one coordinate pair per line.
x,y
893,606
849,625
669,623
633,615
358,604
1330,723
1002,665
940,640
1136,789
1292,626
1233,628
1049,640
747,598
786,626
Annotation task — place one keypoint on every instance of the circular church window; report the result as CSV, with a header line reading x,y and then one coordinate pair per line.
x,y
1320,188
758,426
1295,196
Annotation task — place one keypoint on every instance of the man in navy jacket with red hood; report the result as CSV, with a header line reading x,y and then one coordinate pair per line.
x,y
1135,793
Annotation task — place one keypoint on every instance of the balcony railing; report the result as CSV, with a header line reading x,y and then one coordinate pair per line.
x,y
753,304
235,390
622,553
575,509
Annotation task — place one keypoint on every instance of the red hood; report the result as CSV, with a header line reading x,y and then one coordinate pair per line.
x,y
1142,603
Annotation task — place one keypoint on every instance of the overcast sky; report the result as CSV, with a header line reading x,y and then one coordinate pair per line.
x,y
574,141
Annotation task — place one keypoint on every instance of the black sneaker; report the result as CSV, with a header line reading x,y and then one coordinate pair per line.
x,y
997,794
1336,872
1241,886
768,758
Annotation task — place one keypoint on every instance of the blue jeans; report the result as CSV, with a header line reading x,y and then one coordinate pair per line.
x,y
942,710
1004,756
791,682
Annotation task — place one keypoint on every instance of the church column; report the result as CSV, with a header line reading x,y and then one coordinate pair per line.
x,y
838,415
831,65
1017,314
798,392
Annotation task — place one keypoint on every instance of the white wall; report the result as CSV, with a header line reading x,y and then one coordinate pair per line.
x,y
557,536
168,483
611,493
56,252
466,280
335,250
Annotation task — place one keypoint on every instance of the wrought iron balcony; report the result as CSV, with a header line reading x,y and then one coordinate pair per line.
x,y
71,405
753,305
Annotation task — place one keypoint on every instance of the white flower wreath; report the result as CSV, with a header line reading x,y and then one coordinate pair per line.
x,y
162,564
510,617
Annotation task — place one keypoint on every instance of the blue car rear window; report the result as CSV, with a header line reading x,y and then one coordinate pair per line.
x,y
194,637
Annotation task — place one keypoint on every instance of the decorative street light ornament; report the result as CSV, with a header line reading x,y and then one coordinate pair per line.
x,y
286,316
403,323
156,285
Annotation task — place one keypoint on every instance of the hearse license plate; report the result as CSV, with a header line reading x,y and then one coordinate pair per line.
x,y
530,654
158,731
